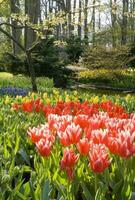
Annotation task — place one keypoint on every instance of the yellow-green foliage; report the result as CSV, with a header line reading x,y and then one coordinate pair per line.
x,y
116,77
8,79
105,73
5,75
100,57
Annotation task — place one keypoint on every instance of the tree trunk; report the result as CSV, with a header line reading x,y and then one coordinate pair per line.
x,y
113,21
31,71
16,33
99,16
29,59
58,27
132,21
63,27
69,26
74,9
93,23
50,6
124,23
32,9
80,20
86,21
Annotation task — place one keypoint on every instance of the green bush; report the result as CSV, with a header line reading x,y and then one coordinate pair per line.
x,y
132,52
14,64
75,48
4,45
46,62
100,57
7,79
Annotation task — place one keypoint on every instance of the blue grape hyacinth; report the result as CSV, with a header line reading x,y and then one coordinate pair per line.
x,y
14,91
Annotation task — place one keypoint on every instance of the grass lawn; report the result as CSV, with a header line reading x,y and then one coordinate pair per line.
x,y
8,79
5,75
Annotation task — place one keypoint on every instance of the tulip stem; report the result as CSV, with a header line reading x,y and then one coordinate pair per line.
x,y
68,190
96,183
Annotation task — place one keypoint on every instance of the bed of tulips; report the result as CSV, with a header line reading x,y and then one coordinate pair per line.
x,y
54,148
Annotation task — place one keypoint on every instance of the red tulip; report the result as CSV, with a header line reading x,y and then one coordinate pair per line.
x,y
99,136
37,105
27,106
34,134
87,132
69,159
81,120
113,145
41,132
64,139
71,135
74,133
99,158
83,146
16,106
44,147
70,173
127,145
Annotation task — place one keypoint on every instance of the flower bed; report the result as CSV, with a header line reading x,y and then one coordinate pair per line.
x,y
88,144
13,91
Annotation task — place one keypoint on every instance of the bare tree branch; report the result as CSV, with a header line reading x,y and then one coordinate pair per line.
x,y
11,25
12,38
20,26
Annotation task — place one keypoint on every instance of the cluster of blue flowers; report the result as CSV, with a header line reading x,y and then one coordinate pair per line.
x,y
13,91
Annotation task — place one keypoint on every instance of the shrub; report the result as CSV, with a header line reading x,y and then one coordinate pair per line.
x,y
100,57
75,48
46,62
14,64
132,52
4,45
20,81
